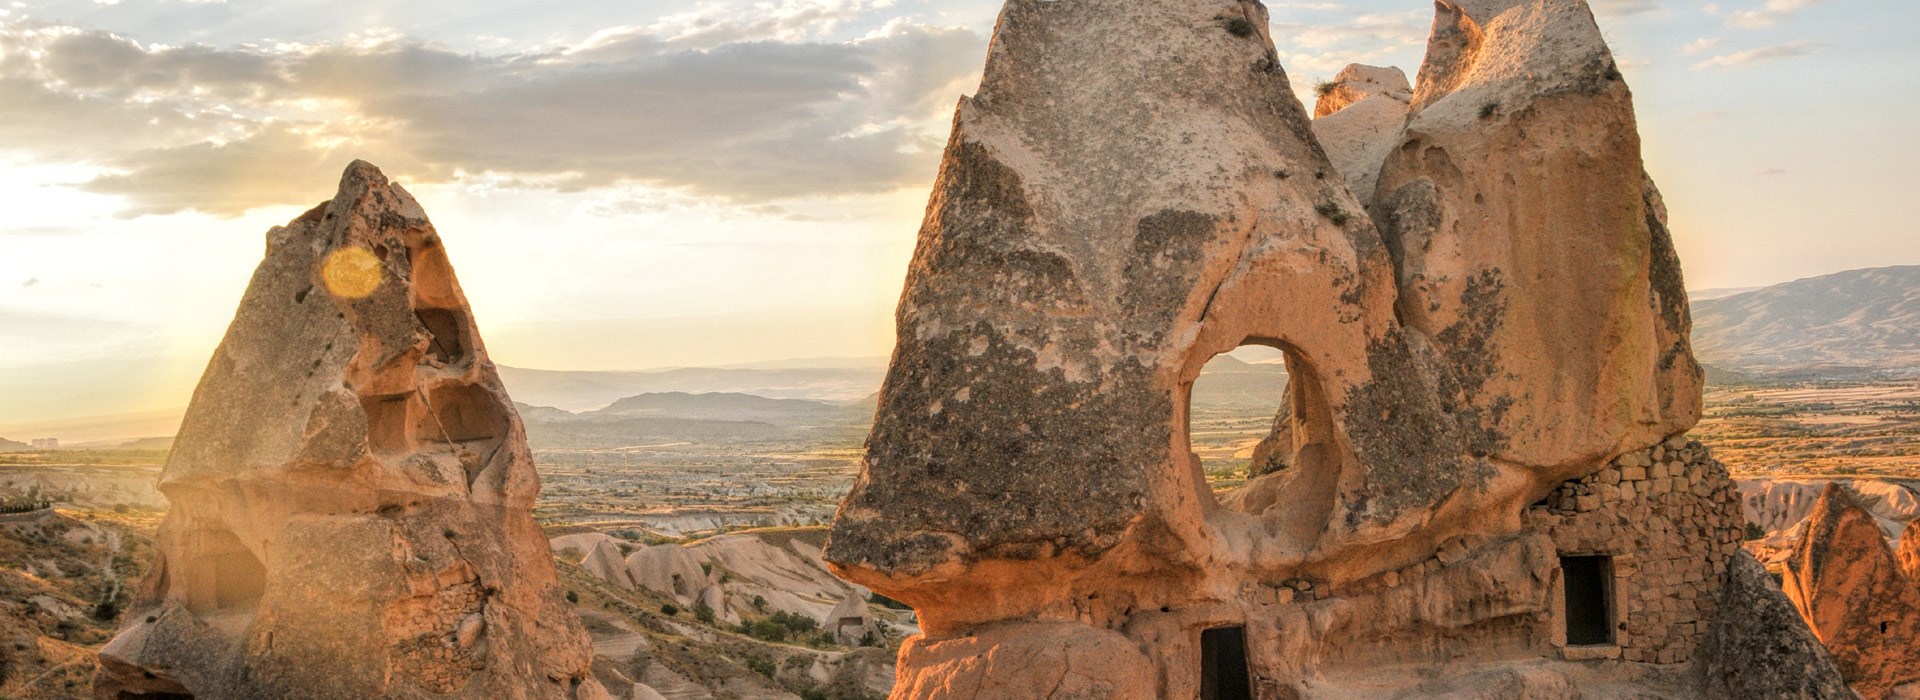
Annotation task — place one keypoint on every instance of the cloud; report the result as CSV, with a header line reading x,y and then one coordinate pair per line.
x,y
1325,48
742,111
1765,53
1766,15
1699,45
30,282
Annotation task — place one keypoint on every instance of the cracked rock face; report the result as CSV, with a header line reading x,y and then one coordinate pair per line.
x,y
1855,594
351,490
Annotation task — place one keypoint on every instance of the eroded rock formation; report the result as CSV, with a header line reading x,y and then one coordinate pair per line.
x,y
1357,121
1480,477
351,490
1852,590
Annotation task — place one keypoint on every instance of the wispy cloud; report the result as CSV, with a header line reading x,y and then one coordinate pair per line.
x,y
1764,53
1766,15
1699,45
714,105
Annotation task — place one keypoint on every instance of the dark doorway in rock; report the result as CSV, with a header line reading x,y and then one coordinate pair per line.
x,y
1235,414
446,334
1223,664
1588,581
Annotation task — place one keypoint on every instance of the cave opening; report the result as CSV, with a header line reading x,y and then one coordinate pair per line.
x,y
223,574
1588,580
1223,664
446,334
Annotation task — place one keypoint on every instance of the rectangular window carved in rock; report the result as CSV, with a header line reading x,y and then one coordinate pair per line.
x,y
1223,664
1589,599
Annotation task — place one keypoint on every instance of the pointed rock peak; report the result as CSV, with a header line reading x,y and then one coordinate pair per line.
x,y
1846,582
1358,82
349,488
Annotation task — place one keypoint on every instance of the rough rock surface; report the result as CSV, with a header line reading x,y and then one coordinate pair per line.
x,y
1358,121
1779,507
1530,246
1850,588
1768,652
669,570
1495,387
1909,552
351,490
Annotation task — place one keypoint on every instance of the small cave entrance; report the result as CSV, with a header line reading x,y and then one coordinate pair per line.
x,y
1238,417
463,414
446,334
1588,580
222,574
1223,664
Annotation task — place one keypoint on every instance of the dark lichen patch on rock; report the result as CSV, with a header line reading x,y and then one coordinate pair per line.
x,y
1410,446
982,451
1162,268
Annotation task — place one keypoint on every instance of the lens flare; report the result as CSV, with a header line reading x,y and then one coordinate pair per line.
x,y
352,272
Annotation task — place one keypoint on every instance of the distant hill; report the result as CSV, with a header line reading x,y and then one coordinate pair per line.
x,y
589,390
1858,322
1227,382
723,406
12,446
551,428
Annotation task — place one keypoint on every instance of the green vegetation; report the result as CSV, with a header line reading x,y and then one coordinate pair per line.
x,y
1240,27
1322,88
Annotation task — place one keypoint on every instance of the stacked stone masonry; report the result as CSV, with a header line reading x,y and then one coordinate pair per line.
x,y
1652,510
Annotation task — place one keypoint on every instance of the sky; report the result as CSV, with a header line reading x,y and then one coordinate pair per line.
x,y
635,184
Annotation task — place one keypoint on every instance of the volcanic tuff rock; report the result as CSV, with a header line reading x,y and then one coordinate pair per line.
x,y
1767,652
1530,246
1358,121
1851,589
351,490
1515,330
1909,552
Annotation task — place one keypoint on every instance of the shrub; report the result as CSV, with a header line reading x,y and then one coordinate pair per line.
x,y
760,603
106,610
1755,532
1240,27
669,609
1489,109
703,612
573,597
1322,88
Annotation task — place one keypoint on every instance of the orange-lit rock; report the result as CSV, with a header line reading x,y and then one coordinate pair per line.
x,y
351,491
1852,590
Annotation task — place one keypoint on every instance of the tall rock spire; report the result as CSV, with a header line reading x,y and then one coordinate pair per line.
x,y
351,491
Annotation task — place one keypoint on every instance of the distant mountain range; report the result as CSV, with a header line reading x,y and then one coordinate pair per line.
x,y
1857,323
592,390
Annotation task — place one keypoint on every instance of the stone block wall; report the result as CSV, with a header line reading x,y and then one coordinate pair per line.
x,y
1670,517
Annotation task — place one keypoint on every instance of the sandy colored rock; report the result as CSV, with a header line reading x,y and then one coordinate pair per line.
x,y
1909,552
1357,83
1852,591
669,570
1530,246
351,490
1106,222
1358,121
1025,661
606,563
1767,652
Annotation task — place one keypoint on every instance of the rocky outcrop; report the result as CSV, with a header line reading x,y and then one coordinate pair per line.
x,y
1480,477
351,490
1767,651
1779,507
1530,246
1358,119
1909,552
669,570
1852,591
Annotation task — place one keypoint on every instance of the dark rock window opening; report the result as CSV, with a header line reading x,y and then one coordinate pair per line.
x,y
1223,664
445,331
1589,603
224,574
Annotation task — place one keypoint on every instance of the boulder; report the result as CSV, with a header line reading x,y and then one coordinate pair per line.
x,y
1357,121
852,623
1851,590
351,491
1766,651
